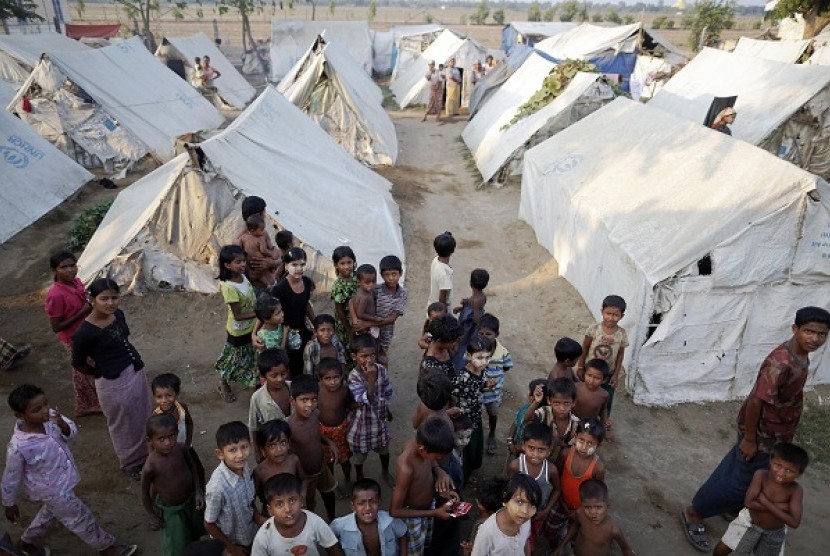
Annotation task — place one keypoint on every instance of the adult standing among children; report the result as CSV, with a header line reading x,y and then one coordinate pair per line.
x,y
436,92
101,347
453,78
769,415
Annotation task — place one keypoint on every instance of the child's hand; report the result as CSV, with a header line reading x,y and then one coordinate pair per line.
x,y
454,412
199,500
491,383
442,512
12,513
466,548
257,342
538,394
55,415
615,379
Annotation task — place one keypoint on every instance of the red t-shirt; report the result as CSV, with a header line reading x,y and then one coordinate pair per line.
x,y
63,301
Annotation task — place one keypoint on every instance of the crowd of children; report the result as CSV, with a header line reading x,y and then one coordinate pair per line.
x,y
322,400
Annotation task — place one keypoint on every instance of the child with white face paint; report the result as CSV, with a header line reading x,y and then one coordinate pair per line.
x,y
294,292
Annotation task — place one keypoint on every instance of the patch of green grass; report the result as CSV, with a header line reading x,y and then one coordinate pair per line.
x,y
85,224
470,163
813,432
389,102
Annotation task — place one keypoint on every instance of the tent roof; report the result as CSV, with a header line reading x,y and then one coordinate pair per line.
x,y
768,92
320,203
787,52
232,87
588,41
290,39
28,48
415,30
7,93
542,28
821,56
35,177
357,89
675,190
151,101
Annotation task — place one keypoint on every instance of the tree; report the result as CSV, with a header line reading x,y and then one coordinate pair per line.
x,y
534,12
245,9
816,14
613,16
145,11
582,15
568,10
481,14
596,17
373,9
21,9
711,17
549,13
628,19
498,16
659,21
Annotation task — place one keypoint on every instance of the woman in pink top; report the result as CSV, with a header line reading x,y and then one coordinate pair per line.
x,y
67,307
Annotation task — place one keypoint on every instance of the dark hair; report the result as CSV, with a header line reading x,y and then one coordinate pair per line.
x,y
537,431
59,257
327,364
265,306
270,358
461,423
363,485
280,485
227,255
341,252
437,307
537,382
444,244
252,205
479,278
294,254
434,389
362,341
445,329
806,315
323,318
166,380
567,348
490,493
528,485
599,364
20,397
593,489
272,430
791,454
160,422
232,432
562,386
99,286
480,343
436,436
304,384
489,322
614,301
283,239
592,426
390,262
366,270
254,222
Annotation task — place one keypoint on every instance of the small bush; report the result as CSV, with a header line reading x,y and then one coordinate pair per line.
x,y
669,24
85,224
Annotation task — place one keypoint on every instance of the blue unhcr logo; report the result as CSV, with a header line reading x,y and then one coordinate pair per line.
x,y
14,157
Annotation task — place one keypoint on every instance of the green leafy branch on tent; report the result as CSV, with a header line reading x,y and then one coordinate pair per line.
x,y
85,224
553,86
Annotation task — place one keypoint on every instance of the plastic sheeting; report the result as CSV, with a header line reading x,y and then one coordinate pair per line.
x,y
92,31
7,92
787,52
531,32
587,42
821,56
329,86
494,78
34,176
675,193
383,45
290,40
232,87
28,48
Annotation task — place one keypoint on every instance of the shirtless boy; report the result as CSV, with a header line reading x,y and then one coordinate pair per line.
x,y
412,498
178,508
594,530
591,398
434,390
567,352
272,441
335,402
773,500
362,308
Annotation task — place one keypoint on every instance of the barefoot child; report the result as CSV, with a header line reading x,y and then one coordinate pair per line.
x,y
362,307
307,442
514,434
607,340
272,400
567,352
272,442
325,344
412,498
335,402
170,474
434,389
272,331
38,457
444,332
371,388
237,361
500,363
507,532
591,399
229,496
773,502
557,414
595,531
440,273
257,245
369,530
470,311
291,529
391,298
343,289
434,311
467,388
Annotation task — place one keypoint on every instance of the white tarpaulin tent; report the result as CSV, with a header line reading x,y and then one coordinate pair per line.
x,y
713,243
411,88
495,77
787,52
231,86
495,148
403,40
139,106
290,40
7,92
587,42
35,177
530,32
165,231
329,86
771,97
27,49
821,56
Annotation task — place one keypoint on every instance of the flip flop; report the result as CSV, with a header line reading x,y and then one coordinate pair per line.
x,y
695,534
226,395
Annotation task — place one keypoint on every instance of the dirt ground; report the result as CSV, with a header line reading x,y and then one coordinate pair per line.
x,y
658,460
